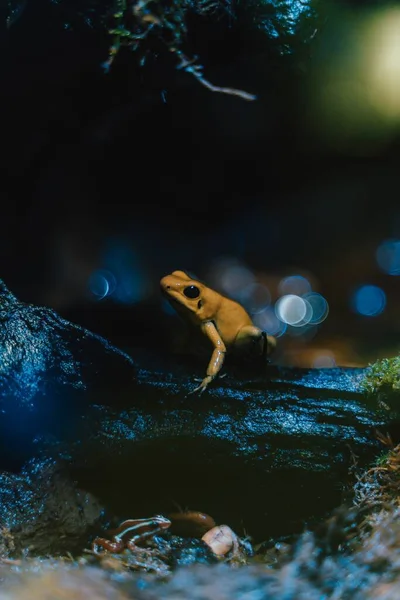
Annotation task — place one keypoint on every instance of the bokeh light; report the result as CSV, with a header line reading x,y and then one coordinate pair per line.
x,y
228,275
278,305
382,57
324,360
354,96
101,283
293,310
269,322
235,279
255,297
121,277
388,255
294,284
368,300
319,305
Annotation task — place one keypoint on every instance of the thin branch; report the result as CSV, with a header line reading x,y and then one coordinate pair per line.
x,y
196,70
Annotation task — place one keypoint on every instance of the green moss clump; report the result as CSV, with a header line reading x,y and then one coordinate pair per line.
x,y
382,377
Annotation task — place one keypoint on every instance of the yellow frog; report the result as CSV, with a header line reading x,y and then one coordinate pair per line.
x,y
222,320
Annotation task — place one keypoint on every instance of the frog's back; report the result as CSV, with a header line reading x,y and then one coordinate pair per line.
x,y
230,319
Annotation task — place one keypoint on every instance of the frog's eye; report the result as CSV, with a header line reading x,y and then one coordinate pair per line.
x,y
191,291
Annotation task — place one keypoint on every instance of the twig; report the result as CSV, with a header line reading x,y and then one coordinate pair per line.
x,y
196,70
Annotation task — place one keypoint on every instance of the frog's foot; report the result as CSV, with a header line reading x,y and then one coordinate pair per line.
x,y
203,385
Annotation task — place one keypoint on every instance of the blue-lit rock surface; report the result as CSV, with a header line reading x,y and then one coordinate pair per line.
x,y
263,451
50,370
266,453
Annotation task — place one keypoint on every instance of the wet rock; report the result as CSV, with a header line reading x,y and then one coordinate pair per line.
x,y
50,370
189,551
262,454
43,512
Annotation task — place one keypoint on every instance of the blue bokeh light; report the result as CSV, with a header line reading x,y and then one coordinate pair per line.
x,y
294,284
122,260
101,283
122,276
269,322
368,300
319,305
388,256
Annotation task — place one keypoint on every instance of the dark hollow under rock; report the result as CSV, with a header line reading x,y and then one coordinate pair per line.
x,y
264,455
50,370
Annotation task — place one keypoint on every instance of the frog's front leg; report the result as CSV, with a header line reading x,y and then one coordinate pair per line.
x,y
250,335
217,357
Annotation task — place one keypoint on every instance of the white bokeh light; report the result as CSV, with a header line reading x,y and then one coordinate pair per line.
x,y
319,306
292,309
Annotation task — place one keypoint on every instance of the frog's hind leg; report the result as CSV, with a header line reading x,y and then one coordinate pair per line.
x,y
251,339
269,345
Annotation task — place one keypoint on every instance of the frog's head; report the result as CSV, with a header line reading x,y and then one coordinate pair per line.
x,y
184,293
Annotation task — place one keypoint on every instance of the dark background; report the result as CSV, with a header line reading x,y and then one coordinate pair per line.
x,y
146,170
